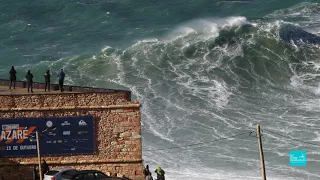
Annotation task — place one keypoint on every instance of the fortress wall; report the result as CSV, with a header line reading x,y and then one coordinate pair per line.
x,y
118,146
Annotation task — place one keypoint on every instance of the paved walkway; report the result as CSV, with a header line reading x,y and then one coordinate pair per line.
x,y
5,90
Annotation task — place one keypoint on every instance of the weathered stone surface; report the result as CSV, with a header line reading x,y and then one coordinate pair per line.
x,y
6,101
62,100
126,134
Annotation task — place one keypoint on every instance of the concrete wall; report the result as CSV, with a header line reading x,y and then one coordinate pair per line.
x,y
117,127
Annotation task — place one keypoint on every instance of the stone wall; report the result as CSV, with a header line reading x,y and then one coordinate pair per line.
x,y
117,126
62,100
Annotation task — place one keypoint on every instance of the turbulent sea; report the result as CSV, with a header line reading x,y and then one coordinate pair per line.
x,y
203,70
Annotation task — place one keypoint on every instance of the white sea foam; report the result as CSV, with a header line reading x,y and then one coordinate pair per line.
x,y
205,29
105,48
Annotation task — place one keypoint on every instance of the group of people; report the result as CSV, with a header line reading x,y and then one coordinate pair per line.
x,y
159,171
44,169
29,78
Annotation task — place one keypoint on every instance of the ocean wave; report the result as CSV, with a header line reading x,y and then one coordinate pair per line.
x,y
210,78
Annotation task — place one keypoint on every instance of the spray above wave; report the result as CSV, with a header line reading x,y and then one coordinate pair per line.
x,y
205,27
217,55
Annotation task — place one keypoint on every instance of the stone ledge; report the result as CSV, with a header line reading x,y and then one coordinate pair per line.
x,y
110,161
132,105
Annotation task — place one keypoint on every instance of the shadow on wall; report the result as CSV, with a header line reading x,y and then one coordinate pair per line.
x,y
11,170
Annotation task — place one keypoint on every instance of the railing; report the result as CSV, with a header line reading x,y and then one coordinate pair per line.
x,y
82,89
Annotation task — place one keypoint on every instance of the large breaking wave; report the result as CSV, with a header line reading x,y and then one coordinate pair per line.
x,y
211,78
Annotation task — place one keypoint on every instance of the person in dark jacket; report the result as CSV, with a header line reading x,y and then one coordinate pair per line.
x,y
147,173
35,173
47,77
29,78
44,167
61,76
13,77
160,173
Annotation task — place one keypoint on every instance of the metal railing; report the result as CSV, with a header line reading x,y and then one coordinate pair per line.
x,y
55,87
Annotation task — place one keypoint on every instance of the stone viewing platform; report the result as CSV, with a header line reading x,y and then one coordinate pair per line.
x,y
76,96
4,90
39,88
117,148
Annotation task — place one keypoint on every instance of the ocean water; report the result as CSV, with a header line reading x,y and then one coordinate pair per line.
x,y
203,70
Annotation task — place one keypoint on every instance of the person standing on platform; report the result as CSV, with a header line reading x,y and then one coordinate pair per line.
x,y
47,77
61,76
13,77
29,78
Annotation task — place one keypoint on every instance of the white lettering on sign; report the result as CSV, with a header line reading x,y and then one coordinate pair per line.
x,y
3,135
28,147
10,126
14,134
